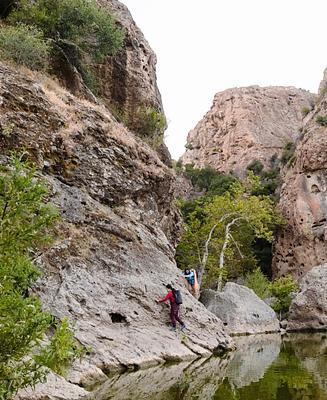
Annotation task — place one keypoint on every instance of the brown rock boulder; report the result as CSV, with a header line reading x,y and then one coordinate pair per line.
x,y
246,124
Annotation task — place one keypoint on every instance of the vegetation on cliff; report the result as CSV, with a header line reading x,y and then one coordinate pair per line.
x,y
79,31
25,226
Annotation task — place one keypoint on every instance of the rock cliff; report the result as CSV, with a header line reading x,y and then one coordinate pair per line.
x,y
115,247
301,244
246,124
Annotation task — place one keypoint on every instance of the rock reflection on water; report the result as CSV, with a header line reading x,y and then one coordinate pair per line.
x,y
253,356
197,380
264,367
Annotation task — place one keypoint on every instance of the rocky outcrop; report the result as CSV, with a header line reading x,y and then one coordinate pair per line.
x,y
240,309
301,243
308,310
246,124
55,388
128,80
115,246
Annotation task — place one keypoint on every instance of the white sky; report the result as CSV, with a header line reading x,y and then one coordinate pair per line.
x,y
206,46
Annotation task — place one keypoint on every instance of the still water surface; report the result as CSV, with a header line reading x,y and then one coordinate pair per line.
x,y
264,367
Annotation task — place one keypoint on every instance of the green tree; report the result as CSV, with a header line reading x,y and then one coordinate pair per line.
x,y
281,289
25,225
229,226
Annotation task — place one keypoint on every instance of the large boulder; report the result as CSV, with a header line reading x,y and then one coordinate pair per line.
x,y
240,309
308,310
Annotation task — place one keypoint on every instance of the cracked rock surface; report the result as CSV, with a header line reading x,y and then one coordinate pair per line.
x,y
115,245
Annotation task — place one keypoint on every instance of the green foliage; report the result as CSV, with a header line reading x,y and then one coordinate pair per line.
x,y
61,351
89,26
25,225
255,216
269,179
189,146
209,180
178,166
282,288
256,167
305,110
148,122
258,282
322,120
24,45
287,156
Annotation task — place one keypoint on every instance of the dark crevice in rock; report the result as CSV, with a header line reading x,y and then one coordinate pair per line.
x,y
117,318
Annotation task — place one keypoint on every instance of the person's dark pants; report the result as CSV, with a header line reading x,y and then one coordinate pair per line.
x,y
174,314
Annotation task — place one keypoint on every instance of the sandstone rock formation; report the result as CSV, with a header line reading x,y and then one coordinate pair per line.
x,y
240,309
308,310
246,124
301,244
115,249
128,80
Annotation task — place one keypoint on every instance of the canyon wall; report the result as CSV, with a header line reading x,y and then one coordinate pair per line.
x,y
301,243
246,124
115,246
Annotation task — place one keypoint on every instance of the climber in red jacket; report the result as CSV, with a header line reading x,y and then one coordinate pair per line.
x,y
174,308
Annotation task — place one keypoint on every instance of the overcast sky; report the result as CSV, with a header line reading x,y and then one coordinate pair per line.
x,y
206,46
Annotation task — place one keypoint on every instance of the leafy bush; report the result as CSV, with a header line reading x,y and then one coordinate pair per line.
x,y
25,45
322,120
256,167
282,288
189,146
258,282
89,26
210,180
25,225
148,122
288,153
305,110
61,351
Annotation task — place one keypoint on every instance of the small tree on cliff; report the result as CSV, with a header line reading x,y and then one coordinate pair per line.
x,y
219,243
25,222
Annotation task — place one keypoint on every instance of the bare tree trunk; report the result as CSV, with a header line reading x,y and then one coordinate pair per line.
x,y
205,255
222,253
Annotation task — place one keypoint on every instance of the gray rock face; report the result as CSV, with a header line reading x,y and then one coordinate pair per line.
x,y
240,309
309,308
129,78
56,388
115,250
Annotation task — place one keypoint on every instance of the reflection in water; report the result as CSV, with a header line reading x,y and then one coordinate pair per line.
x,y
263,368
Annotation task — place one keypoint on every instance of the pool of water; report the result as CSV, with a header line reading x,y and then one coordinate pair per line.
x,y
264,367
